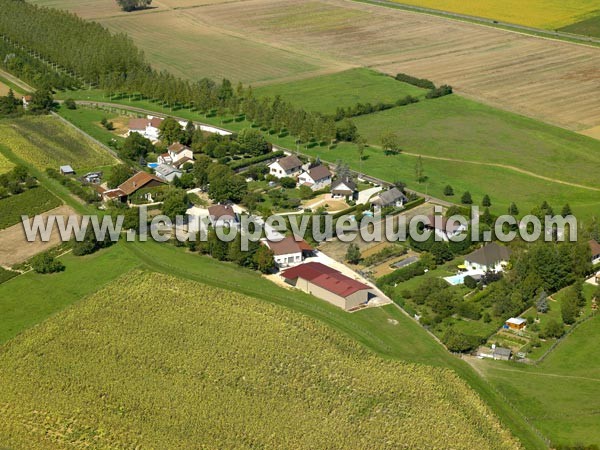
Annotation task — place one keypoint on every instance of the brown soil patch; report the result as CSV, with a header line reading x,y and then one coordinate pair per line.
x,y
15,249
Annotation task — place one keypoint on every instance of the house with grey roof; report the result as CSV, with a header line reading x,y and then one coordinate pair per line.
x,y
393,197
491,257
344,188
316,178
285,167
167,172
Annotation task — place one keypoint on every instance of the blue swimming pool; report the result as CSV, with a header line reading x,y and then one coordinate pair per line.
x,y
153,165
455,280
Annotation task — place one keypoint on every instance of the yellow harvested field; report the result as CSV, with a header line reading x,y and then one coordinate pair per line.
x,y
546,79
547,14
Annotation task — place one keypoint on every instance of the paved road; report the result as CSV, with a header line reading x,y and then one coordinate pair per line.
x,y
551,34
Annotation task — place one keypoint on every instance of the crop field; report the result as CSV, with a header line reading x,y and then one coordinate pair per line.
x,y
31,202
561,396
589,27
342,89
186,47
547,14
132,357
46,142
457,128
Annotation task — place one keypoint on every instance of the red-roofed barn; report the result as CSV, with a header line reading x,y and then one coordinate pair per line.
x,y
329,284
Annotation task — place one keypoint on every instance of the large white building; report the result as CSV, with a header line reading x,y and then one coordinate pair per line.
x,y
489,258
147,127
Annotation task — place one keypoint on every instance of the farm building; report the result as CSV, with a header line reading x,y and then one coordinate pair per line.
x,y
344,189
315,178
394,198
289,251
67,170
489,258
285,167
516,323
222,215
328,284
442,228
501,353
595,248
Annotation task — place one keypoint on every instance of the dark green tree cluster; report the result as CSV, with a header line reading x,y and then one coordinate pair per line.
x,y
46,263
361,109
10,105
132,5
16,181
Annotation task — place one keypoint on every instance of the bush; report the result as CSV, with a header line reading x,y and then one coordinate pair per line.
x,y
45,263
419,82
287,182
70,104
470,282
439,92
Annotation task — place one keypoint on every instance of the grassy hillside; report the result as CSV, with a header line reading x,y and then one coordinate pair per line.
x,y
31,202
561,396
547,14
135,352
343,89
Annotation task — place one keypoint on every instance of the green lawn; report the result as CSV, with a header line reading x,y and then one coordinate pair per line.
x,y
88,120
457,128
325,93
31,202
561,395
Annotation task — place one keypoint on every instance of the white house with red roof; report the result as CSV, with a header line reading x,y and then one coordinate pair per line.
x,y
289,251
176,155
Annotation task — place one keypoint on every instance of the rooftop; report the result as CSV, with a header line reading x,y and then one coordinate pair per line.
x,y
516,320
288,245
339,184
489,255
595,247
138,181
217,212
289,162
326,278
389,197
319,173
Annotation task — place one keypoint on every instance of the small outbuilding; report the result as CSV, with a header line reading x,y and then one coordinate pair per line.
x,y
516,323
501,353
67,170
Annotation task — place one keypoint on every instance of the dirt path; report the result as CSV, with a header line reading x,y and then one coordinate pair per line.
x,y
15,249
16,81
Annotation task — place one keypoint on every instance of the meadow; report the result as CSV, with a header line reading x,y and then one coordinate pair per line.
x,y
546,14
343,89
457,128
205,354
6,164
30,202
561,395
588,27
46,142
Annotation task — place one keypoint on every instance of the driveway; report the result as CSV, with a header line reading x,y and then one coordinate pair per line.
x,y
364,196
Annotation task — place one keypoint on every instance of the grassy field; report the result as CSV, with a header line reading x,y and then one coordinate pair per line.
x,y
588,27
31,202
561,396
6,164
46,142
88,120
375,328
343,89
213,353
457,128
547,14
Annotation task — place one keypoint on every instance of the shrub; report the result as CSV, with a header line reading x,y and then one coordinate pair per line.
x,y
70,104
419,82
45,263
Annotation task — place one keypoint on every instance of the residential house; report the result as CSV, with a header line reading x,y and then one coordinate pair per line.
x,y
140,180
67,170
167,172
288,166
391,198
515,323
289,251
328,284
595,248
147,127
489,258
345,188
223,216
315,178
444,229
175,153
